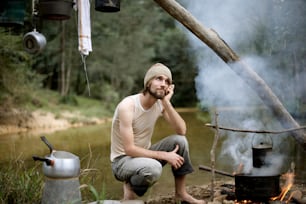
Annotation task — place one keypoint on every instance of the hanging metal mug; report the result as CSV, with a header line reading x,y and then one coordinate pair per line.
x,y
107,5
34,42
261,148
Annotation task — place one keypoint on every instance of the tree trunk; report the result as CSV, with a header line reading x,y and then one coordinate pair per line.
x,y
219,46
63,70
68,65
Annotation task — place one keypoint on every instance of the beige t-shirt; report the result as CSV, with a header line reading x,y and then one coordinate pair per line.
x,y
143,126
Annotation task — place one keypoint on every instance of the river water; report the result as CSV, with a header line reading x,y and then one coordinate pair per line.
x,y
92,145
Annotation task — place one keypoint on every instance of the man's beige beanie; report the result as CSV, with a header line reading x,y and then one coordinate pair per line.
x,y
155,70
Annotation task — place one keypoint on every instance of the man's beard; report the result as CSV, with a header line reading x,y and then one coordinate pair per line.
x,y
156,94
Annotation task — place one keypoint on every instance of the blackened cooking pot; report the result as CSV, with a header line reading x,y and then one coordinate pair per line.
x,y
55,9
107,5
256,188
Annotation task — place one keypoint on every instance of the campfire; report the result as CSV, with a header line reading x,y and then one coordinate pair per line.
x,y
289,181
264,183
261,189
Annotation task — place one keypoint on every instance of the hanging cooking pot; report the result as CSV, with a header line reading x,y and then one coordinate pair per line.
x,y
261,148
107,5
34,42
59,164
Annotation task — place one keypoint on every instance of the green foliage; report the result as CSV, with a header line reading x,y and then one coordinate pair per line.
x,y
22,184
19,184
182,64
16,77
124,44
52,101
69,99
96,195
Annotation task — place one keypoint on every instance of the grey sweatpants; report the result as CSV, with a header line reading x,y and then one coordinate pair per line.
x,y
142,172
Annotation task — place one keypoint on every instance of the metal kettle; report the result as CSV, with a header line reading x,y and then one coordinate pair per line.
x,y
59,164
261,148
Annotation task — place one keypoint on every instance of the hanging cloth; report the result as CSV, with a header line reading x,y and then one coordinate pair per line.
x,y
84,28
84,32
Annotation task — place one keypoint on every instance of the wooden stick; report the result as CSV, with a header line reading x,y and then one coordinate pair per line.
x,y
213,157
206,168
255,131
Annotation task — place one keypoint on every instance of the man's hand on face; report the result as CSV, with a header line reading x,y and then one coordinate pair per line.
x,y
169,92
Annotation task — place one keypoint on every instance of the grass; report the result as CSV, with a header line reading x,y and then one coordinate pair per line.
x,y
22,184
19,184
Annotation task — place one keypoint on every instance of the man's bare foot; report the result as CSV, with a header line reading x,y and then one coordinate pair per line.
x,y
188,198
128,193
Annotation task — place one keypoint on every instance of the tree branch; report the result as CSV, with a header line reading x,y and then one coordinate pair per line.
x,y
255,131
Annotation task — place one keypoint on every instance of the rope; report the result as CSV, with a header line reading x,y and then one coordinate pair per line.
x,y
85,70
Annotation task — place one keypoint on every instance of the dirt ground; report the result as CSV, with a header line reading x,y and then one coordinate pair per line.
x,y
199,192
224,193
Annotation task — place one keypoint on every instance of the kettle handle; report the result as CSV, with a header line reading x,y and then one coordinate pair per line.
x,y
44,139
269,136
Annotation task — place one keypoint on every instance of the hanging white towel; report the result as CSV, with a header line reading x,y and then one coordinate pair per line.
x,y
84,27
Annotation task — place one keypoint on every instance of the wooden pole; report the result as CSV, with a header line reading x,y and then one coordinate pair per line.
x,y
220,47
206,168
213,158
255,131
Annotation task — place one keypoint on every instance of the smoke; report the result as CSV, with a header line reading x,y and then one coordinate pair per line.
x,y
273,168
246,26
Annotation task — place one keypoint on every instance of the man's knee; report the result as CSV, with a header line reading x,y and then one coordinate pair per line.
x,y
180,140
145,178
151,172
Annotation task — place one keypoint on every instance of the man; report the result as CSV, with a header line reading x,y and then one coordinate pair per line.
x,y
135,161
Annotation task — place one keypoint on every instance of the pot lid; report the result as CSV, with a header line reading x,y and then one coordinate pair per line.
x,y
64,155
263,146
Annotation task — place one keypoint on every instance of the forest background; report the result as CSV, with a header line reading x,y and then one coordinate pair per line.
x,y
125,44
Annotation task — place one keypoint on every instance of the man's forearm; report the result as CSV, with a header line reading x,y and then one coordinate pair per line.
x,y
174,118
141,152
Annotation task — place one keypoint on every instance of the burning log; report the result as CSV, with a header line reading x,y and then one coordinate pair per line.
x,y
297,197
220,47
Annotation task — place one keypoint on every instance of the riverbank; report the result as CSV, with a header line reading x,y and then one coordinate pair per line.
x,y
49,111
17,121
